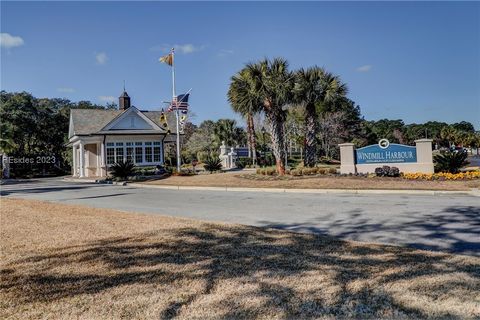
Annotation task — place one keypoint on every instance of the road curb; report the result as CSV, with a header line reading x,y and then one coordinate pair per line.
x,y
81,180
473,192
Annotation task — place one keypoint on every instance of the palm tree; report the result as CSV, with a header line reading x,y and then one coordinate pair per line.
x,y
475,142
272,84
449,134
228,131
315,86
244,101
462,138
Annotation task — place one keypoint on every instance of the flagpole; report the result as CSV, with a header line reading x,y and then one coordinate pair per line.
x,y
176,111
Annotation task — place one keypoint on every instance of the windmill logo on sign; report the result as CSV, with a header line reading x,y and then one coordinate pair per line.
x,y
383,143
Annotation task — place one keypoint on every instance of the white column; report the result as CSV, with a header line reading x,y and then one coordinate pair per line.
x,y
74,160
424,156
347,158
82,160
102,158
97,157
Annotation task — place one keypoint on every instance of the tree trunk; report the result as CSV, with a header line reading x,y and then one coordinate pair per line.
x,y
310,135
249,136
252,139
275,125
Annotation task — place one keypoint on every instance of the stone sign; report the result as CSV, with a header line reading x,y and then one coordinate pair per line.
x,y
386,152
416,158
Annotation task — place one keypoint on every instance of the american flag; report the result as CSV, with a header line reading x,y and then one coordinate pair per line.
x,y
179,102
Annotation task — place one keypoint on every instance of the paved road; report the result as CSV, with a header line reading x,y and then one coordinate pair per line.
x,y
474,161
445,223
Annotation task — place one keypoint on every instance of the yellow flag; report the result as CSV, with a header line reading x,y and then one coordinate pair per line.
x,y
168,59
163,120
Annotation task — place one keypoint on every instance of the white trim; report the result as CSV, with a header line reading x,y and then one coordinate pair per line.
x,y
74,160
99,168
123,115
102,154
134,146
75,140
82,160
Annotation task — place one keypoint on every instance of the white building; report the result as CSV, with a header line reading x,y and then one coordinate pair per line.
x,y
99,138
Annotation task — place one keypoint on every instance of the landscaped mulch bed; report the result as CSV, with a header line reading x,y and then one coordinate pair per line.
x,y
252,180
70,262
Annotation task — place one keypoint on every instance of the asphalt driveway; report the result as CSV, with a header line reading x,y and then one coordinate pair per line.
x,y
449,223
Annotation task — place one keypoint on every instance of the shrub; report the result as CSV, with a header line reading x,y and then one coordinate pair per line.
x,y
267,160
185,172
145,172
202,156
379,172
243,162
308,171
212,164
122,170
332,170
394,172
322,170
450,161
149,171
270,171
170,169
296,172
387,171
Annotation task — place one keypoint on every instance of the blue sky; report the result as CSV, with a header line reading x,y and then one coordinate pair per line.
x,y
414,61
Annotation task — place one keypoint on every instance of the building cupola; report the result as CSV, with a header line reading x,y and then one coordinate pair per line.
x,y
124,101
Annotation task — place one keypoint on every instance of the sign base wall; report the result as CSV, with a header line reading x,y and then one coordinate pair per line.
x,y
424,163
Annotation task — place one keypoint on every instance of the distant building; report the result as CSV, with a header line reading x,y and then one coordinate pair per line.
x,y
99,138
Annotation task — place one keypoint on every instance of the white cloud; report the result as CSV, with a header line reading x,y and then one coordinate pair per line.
x,y
107,98
364,68
66,90
187,48
9,41
179,48
101,58
225,52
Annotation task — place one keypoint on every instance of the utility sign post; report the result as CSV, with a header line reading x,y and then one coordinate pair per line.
x,y
177,104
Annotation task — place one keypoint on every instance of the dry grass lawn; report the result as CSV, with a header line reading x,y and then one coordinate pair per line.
x,y
73,262
250,180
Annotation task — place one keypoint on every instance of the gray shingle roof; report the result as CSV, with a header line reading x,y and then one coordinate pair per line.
x,y
155,117
91,121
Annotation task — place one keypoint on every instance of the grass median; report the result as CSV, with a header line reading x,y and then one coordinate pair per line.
x,y
63,261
